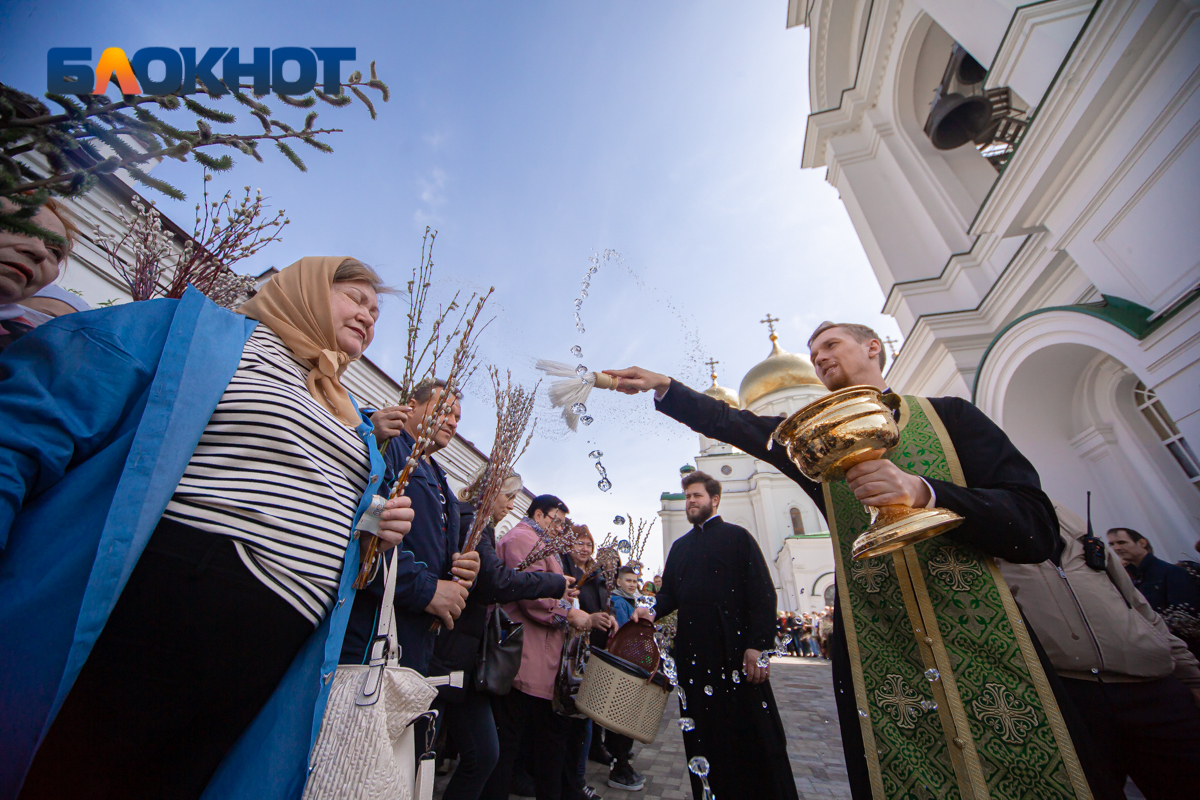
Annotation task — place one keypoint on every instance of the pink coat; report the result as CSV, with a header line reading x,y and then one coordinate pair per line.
x,y
542,651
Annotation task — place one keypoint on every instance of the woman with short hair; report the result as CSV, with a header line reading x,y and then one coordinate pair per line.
x,y
179,485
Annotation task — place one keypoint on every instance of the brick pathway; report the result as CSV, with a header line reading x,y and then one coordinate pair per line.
x,y
804,691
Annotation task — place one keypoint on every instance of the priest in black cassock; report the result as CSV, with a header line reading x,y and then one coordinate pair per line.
x,y
717,579
931,701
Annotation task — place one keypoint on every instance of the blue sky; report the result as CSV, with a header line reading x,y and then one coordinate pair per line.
x,y
532,135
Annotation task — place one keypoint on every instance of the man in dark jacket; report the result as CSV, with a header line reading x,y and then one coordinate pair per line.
x,y
1168,588
1162,584
427,586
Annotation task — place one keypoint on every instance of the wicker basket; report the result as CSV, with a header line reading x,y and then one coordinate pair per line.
x,y
622,697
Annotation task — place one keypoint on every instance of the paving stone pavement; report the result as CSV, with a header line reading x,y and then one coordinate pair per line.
x,y
804,692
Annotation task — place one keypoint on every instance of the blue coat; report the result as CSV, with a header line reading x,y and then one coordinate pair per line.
x,y
99,415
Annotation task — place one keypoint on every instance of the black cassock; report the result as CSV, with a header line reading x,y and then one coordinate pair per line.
x,y
718,581
1007,515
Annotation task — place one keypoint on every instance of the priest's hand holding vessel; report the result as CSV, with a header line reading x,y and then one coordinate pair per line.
x,y
848,427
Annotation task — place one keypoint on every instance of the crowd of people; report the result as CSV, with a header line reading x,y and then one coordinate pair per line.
x,y
182,488
807,634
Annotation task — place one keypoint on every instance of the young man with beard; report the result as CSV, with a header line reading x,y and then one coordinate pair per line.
x,y
929,645
717,579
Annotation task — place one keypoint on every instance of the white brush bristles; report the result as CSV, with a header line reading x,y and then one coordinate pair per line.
x,y
572,391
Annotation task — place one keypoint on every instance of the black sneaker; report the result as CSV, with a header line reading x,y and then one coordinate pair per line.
x,y
590,793
622,776
597,754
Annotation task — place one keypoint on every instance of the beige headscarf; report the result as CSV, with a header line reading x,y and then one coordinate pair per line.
x,y
295,304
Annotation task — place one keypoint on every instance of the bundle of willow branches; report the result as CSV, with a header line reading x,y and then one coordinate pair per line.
x,y
550,544
638,539
430,424
514,408
605,564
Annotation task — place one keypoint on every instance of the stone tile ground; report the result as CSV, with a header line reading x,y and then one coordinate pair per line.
x,y
804,691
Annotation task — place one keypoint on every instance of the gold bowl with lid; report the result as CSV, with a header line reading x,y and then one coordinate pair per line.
x,y
847,427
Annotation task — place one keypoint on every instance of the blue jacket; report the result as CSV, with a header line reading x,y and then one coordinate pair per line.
x,y
99,415
1164,585
423,559
622,608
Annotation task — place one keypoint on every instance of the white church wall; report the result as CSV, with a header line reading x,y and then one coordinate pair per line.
x,y
1098,199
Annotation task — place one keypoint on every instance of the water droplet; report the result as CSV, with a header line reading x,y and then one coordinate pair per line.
x,y
624,547
699,766
764,704
929,705
586,283
586,420
764,660
618,520
600,468
682,698
583,292
596,454
708,690
604,484
577,351
737,678
578,408
862,713
932,674
578,304
581,370
687,724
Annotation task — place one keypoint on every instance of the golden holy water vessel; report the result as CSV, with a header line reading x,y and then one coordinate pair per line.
x,y
848,427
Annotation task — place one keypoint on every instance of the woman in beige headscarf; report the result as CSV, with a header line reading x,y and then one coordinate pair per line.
x,y
246,561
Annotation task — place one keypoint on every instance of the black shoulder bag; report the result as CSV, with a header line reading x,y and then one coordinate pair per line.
x,y
499,653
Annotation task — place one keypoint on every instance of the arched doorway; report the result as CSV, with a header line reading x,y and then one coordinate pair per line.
x,y
1064,387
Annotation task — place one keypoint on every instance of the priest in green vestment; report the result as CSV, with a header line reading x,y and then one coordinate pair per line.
x,y
942,690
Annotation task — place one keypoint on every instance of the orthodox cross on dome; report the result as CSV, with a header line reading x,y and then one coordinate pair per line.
x,y
891,345
770,321
712,367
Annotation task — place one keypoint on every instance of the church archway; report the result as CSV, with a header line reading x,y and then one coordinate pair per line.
x,y
1063,386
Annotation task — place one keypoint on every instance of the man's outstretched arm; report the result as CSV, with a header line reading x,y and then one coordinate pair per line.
x,y
744,430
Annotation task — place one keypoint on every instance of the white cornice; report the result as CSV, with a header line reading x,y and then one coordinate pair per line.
x,y
847,116
1102,45
1020,34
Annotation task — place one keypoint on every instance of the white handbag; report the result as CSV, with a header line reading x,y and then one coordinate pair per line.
x,y
366,749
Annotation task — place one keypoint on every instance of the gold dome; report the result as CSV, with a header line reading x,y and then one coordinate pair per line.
x,y
727,396
718,392
779,370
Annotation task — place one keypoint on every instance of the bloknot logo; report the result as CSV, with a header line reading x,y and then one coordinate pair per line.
x,y
183,71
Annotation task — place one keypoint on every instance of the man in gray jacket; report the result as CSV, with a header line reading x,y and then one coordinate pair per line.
x,y
1136,686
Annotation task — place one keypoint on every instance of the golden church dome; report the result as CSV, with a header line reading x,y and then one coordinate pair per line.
x,y
727,396
779,370
718,392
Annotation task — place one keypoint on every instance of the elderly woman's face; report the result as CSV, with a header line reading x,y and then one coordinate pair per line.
x,y
26,263
355,310
504,504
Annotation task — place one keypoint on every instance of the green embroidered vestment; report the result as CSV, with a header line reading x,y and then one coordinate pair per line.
x,y
952,699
